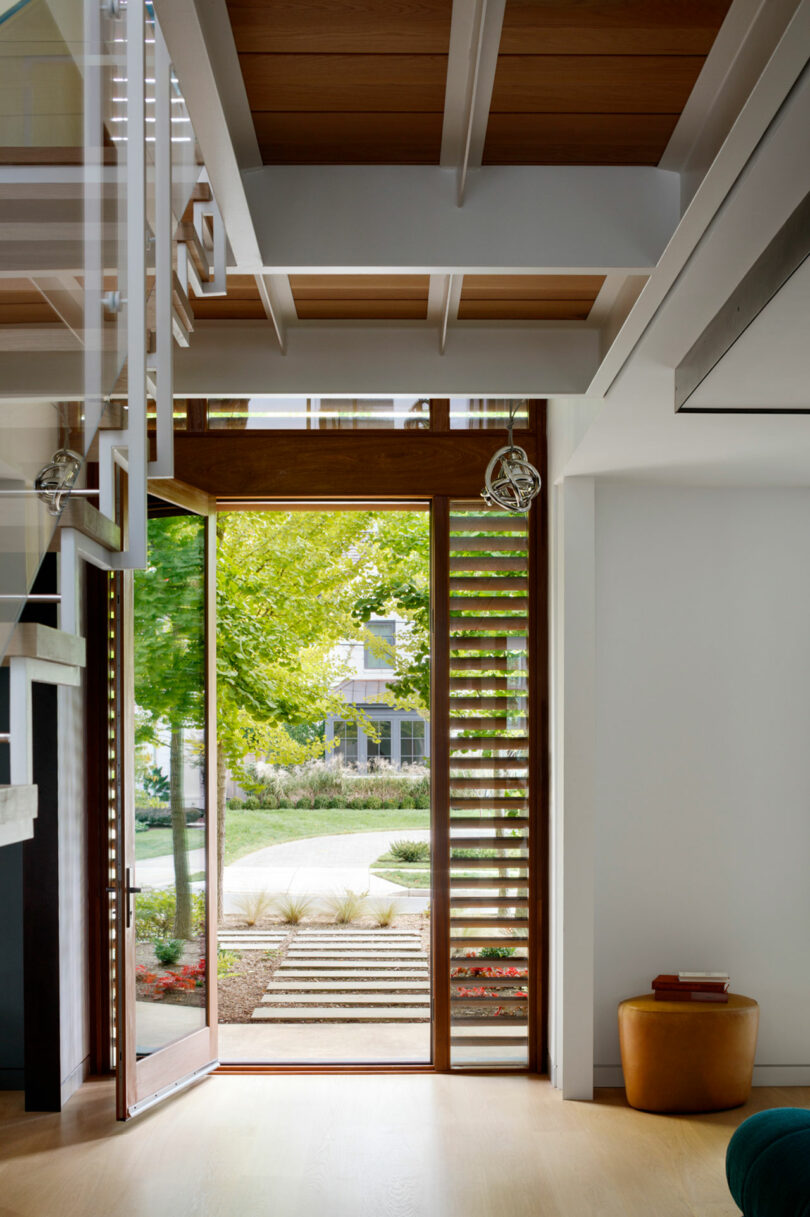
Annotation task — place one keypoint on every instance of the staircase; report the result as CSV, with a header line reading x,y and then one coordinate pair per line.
x,y
349,976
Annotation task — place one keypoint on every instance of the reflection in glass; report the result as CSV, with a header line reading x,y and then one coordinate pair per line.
x,y
318,413
477,413
170,796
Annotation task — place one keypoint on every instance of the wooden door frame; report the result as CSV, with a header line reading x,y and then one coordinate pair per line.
x,y
395,468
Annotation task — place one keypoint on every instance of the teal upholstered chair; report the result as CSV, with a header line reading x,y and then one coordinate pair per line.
x,y
768,1164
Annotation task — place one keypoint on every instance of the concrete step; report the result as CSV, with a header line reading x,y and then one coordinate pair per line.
x,y
359,951
395,965
378,1014
346,986
351,977
346,1000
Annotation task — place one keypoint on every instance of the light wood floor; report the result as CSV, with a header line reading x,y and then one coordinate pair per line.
x,y
368,1146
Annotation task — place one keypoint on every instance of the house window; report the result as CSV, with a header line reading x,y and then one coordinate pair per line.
x,y
412,742
385,631
379,751
346,742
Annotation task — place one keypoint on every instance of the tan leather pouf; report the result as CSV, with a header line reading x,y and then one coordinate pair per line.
x,y
688,1056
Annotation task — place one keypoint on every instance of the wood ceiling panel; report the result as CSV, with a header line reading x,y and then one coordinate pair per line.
x,y
594,84
345,82
22,304
242,302
611,27
360,297
410,27
352,287
361,310
524,310
595,81
528,297
531,287
577,139
348,138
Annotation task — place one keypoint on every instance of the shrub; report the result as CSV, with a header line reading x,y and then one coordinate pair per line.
x,y
252,803
322,801
410,851
235,804
389,804
384,914
226,961
373,803
141,826
292,909
303,805
155,909
347,908
496,952
168,950
254,905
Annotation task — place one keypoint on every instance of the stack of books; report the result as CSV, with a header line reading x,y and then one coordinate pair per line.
x,y
691,986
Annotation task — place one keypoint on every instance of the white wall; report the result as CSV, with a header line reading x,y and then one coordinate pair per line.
x,y
702,788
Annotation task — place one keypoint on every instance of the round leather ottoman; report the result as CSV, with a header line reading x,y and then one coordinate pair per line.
x,y
688,1056
768,1164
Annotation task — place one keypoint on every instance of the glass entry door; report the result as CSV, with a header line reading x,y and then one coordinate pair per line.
x,y
165,893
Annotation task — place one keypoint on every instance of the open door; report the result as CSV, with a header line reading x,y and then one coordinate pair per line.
x,y
165,891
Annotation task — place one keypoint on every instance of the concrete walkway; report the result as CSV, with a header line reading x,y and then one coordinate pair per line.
x,y
315,866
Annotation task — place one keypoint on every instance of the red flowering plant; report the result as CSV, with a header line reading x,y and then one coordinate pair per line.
x,y
483,972
189,977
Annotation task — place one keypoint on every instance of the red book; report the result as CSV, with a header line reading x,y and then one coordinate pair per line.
x,y
689,995
671,983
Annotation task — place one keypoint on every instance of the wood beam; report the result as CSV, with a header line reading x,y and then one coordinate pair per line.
x,y
338,464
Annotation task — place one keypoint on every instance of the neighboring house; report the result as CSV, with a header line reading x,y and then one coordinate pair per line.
x,y
404,737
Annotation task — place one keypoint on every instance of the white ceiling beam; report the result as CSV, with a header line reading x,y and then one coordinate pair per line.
x,y
452,296
66,297
236,358
402,218
279,305
200,41
769,129
744,44
475,36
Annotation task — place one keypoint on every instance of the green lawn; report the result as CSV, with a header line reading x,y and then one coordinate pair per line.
x,y
398,864
405,878
247,831
158,841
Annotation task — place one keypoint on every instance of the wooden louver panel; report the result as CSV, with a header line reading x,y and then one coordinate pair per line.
x,y
489,825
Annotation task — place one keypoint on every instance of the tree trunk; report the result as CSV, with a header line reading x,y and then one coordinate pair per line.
x,y
182,886
221,775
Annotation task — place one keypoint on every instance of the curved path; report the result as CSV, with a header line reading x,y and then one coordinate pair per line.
x,y
311,865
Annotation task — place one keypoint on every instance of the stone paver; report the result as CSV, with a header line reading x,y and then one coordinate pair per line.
x,y
349,976
335,1014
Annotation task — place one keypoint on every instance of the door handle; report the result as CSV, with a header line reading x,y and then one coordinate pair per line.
x,y
129,891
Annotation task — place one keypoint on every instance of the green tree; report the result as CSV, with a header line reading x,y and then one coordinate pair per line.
x,y
285,598
169,660
397,580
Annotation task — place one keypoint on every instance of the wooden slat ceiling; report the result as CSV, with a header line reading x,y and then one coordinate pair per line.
x,y
363,81
242,302
528,297
344,81
360,297
595,82
22,304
